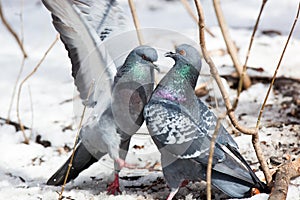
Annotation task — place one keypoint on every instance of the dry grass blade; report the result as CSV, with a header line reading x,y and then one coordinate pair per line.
x,y
74,147
26,140
229,44
240,86
10,29
278,65
136,21
230,112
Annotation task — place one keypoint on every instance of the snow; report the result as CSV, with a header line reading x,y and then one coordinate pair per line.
x,y
24,169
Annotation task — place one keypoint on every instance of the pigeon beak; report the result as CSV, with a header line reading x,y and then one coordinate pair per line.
x,y
156,67
169,54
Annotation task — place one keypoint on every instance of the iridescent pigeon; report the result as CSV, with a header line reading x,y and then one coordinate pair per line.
x,y
119,95
181,126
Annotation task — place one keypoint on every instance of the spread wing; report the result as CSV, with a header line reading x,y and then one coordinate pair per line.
x,y
82,25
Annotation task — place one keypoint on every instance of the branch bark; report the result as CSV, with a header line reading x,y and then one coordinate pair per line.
x,y
283,176
230,45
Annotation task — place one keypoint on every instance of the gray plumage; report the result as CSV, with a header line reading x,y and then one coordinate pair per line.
x,y
119,95
181,126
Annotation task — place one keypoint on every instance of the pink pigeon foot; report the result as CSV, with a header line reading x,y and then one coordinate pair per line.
x,y
122,164
114,187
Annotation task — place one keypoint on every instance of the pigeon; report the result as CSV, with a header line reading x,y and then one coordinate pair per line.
x,y
117,98
181,126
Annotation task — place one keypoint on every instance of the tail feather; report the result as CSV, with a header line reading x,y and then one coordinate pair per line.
x,y
81,161
230,185
234,176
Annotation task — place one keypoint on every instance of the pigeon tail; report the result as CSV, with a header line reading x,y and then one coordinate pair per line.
x,y
234,176
81,161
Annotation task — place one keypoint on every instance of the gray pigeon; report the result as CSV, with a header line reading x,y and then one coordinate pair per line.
x,y
117,99
181,126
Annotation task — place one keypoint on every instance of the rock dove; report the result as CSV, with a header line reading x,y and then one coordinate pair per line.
x,y
117,99
181,126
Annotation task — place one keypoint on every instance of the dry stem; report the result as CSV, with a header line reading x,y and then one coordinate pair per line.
x,y
225,96
75,143
248,54
191,12
14,89
10,29
229,44
278,65
26,140
210,158
136,21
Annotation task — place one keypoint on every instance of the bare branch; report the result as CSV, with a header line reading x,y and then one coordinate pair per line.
x,y
10,29
229,44
136,21
191,12
278,65
230,112
26,140
240,86
75,143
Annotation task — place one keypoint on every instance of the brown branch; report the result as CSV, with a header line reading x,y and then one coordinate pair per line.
x,y
240,86
283,176
230,112
10,29
136,21
231,48
278,65
26,140
192,14
210,158
75,143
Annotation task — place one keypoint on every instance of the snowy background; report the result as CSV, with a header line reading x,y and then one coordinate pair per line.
x,y
46,101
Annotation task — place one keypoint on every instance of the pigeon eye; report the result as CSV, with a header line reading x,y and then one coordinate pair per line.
x,y
182,52
145,57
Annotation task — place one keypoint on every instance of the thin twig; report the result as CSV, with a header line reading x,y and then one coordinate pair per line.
x,y
240,86
210,158
31,109
22,64
75,143
14,89
229,44
136,21
10,29
225,96
278,65
192,14
26,141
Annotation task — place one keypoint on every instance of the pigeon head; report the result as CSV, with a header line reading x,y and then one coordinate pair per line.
x,y
187,53
143,54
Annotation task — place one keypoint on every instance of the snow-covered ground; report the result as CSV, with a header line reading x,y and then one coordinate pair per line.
x,y
46,107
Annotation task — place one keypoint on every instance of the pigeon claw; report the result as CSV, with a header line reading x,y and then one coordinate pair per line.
x,y
114,187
